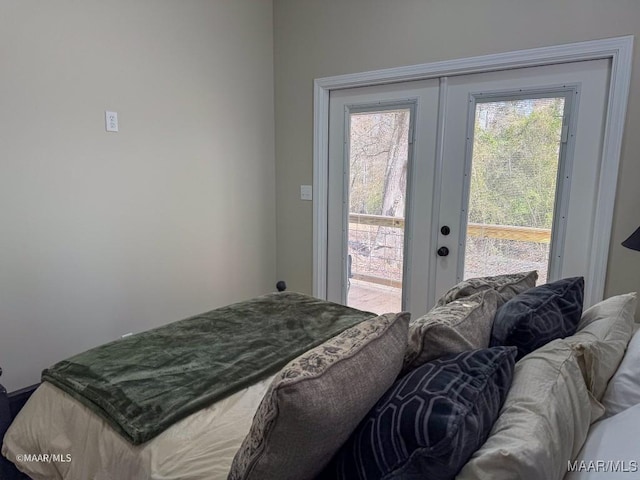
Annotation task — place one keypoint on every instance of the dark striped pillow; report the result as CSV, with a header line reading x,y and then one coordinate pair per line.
x,y
430,421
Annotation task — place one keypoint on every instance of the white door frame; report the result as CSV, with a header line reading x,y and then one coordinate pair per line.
x,y
619,50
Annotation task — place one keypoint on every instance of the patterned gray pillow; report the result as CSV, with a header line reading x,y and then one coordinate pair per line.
x,y
461,325
317,400
508,286
429,423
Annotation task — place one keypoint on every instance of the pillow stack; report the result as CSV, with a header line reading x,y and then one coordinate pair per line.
x,y
444,404
554,399
549,408
500,380
463,317
504,310
310,413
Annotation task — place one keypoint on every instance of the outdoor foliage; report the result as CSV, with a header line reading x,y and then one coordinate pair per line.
x,y
514,168
515,162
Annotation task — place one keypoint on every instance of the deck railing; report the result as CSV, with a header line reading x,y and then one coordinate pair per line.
x,y
499,232
502,232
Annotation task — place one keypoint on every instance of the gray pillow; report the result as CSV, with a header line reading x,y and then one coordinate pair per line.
x,y
461,325
508,286
317,400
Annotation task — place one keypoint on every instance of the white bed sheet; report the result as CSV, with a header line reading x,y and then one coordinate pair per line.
x,y
201,446
611,450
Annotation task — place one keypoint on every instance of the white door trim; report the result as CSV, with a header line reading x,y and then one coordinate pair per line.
x,y
619,50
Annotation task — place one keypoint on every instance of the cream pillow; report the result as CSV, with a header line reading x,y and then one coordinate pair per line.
x,y
318,399
605,331
461,325
543,423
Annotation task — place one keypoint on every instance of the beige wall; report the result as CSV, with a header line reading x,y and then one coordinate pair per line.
x,y
317,39
104,234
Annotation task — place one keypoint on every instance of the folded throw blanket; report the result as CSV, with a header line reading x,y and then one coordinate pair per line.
x,y
144,383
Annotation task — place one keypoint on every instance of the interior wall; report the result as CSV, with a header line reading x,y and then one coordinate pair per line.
x,y
109,233
334,37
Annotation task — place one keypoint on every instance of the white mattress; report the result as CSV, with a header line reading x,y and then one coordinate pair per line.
x,y
200,446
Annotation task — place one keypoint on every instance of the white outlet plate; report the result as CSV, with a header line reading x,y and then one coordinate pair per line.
x,y
111,121
306,192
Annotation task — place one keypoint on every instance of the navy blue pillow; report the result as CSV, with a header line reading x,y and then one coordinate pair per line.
x,y
539,315
428,424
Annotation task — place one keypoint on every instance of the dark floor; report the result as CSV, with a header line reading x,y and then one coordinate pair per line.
x,y
9,472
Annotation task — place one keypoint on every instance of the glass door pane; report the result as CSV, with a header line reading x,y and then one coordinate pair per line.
x,y
514,171
377,192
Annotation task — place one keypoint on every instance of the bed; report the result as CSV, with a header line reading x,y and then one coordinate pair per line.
x,y
516,405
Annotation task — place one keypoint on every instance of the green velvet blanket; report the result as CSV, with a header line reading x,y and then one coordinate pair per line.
x,y
144,383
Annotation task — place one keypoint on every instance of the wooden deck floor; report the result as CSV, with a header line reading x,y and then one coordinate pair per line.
x,y
374,298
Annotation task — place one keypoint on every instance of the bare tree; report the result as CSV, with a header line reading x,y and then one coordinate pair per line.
x,y
395,180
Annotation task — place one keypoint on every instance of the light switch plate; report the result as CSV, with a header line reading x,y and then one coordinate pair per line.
x,y
306,192
111,121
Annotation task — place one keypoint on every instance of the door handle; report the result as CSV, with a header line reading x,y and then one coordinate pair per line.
x,y
443,251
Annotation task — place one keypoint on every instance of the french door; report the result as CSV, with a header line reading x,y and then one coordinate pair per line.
x,y
373,259
438,180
